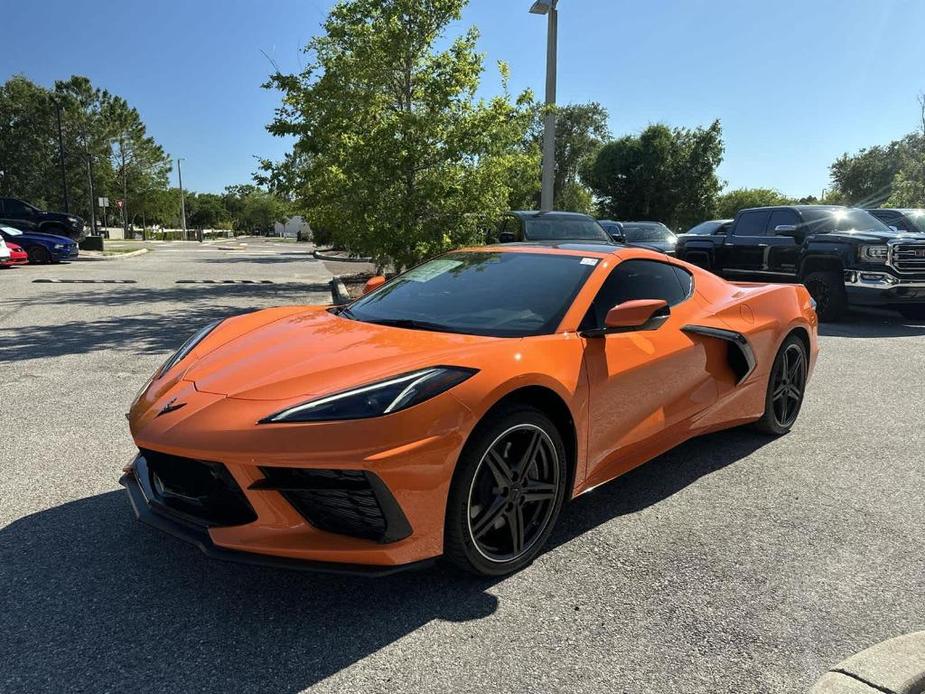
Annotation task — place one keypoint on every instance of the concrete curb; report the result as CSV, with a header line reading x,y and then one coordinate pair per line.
x,y
119,256
322,255
896,666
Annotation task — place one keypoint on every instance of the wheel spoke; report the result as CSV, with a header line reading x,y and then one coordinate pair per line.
x,y
488,519
794,393
499,469
539,491
779,392
515,521
529,455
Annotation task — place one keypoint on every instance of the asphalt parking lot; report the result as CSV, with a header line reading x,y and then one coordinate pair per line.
x,y
735,563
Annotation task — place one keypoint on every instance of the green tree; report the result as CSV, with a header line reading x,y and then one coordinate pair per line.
x,y
663,174
865,179
206,211
394,153
734,200
908,189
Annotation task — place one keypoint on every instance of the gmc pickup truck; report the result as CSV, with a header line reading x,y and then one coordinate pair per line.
x,y
843,255
21,215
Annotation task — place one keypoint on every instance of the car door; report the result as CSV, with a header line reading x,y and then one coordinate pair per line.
x,y
746,245
784,239
642,383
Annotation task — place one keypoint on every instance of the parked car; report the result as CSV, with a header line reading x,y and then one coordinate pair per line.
x,y
714,227
21,215
653,235
41,248
902,219
843,255
549,226
5,253
417,430
17,256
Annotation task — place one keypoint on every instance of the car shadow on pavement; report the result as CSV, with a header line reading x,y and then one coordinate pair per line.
x,y
873,323
94,601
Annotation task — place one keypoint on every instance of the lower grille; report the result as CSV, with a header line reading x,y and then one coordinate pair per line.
x,y
347,502
197,491
909,257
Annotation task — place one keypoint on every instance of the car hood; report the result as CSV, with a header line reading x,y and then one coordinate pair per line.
x,y
263,356
43,237
875,236
661,246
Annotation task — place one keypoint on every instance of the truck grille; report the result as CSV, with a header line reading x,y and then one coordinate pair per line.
x,y
909,257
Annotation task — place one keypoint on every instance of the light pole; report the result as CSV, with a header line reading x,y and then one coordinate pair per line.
x,y
182,199
548,7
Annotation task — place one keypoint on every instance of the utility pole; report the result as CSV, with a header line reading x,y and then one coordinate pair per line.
x,y
182,199
548,7
61,157
93,229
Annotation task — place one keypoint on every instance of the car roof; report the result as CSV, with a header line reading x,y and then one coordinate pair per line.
x,y
577,248
901,210
552,214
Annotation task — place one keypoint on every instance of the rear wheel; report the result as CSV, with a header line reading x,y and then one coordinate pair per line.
x,y
913,311
507,492
38,255
786,387
827,287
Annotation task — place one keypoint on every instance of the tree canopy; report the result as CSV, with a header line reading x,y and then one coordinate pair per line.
x,y
393,151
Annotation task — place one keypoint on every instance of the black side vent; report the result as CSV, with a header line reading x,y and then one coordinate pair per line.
x,y
740,356
347,502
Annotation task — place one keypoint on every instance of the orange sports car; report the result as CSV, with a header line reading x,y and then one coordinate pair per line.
x,y
454,409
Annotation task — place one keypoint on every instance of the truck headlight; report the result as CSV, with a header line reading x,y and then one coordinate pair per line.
x,y
874,254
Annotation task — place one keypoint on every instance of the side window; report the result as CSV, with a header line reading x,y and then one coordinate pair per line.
x,y
779,217
638,279
754,223
15,207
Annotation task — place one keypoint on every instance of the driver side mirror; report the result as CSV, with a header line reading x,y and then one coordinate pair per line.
x,y
639,314
791,230
618,237
373,283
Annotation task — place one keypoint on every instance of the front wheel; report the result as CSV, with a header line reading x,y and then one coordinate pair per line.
x,y
786,387
507,492
827,288
39,255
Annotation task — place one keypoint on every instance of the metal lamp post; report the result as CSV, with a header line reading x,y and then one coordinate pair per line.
x,y
182,198
548,7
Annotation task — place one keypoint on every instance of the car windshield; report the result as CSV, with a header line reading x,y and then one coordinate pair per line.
x,y
647,232
917,219
825,221
11,231
564,229
510,294
704,229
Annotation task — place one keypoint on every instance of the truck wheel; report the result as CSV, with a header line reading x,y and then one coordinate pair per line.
x,y
913,311
827,288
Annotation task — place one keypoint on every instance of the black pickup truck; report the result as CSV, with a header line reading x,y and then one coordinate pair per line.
x,y
843,255
25,217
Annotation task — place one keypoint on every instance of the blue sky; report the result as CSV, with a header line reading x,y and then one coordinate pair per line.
x,y
794,82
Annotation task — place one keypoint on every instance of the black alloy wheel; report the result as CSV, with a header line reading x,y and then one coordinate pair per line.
x,y
507,493
38,255
786,388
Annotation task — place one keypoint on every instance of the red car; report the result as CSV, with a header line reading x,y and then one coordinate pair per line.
x,y
17,256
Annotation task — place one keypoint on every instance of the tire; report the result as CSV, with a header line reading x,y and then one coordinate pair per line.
x,y
827,287
788,381
38,255
912,311
491,502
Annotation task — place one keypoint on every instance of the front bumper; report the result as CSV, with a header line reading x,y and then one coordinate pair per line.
x,y
66,253
150,511
871,288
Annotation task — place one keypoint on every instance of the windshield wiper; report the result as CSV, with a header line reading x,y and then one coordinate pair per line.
x,y
412,324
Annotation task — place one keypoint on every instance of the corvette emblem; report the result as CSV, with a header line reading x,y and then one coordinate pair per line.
x,y
170,407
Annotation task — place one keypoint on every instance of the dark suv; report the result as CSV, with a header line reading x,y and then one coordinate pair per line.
x,y
21,215
902,219
843,255
549,226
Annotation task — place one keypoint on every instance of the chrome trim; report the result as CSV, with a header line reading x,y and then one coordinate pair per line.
x,y
893,245
879,280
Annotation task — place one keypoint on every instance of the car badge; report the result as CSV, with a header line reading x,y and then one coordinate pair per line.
x,y
170,407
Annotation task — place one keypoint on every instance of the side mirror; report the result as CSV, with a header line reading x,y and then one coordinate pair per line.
x,y
791,230
640,314
373,283
892,228
619,238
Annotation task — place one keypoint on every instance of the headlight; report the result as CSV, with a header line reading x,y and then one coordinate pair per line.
x,y
59,246
376,399
874,254
185,349
73,220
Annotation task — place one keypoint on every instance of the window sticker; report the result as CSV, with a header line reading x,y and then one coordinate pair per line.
x,y
589,261
433,269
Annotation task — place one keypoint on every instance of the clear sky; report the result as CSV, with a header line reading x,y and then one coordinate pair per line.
x,y
794,82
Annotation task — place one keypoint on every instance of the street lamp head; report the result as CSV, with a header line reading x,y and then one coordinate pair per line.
x,y
543,6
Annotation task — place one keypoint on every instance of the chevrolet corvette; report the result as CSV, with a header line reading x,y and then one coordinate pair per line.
x,y
453,410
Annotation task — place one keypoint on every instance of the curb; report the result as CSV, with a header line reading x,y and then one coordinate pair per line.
x,y
321,255
896,666
119,256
